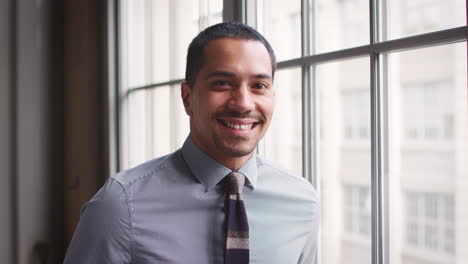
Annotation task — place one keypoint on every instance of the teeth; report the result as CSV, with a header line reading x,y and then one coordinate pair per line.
x,y
237,126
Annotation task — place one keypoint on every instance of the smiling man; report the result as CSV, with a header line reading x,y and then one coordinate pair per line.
x,y
214,200
231,100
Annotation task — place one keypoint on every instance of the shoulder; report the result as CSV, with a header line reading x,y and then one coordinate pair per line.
x,y
150,169
278,177
273,169
103,234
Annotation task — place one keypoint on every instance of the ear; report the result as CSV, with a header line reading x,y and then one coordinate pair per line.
x,y
185,93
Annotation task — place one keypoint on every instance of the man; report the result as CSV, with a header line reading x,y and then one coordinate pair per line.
x,y
175,209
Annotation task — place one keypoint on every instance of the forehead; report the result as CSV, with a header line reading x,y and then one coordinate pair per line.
x,y
248,54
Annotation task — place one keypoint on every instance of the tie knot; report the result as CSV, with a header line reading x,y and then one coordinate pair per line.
x,y
235,182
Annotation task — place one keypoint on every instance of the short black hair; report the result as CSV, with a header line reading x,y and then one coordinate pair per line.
x,y
195,54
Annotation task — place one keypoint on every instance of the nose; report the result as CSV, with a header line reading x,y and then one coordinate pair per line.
x,y
242,100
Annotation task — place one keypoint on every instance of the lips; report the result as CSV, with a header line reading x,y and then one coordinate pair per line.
x,y
243,126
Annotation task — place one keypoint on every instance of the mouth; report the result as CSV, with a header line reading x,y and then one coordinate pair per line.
x,y
242,126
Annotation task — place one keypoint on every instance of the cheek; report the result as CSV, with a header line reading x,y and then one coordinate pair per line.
x,y
207,106
272,105
214,102
267,106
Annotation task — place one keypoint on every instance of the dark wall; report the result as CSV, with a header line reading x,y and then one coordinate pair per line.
x,y
85,101
6,132
53,133
32,130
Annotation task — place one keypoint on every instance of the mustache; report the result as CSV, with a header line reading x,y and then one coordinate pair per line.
x,y
234,114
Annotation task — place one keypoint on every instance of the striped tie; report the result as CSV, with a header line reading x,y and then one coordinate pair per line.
x,y
237,235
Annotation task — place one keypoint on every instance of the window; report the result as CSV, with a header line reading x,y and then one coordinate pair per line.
x,y
371,108
355,108
339,24
385,113
354,14
155,35
357,211
428,112
282,142
276,16
430,223
344,157
406,18
425,133
422,15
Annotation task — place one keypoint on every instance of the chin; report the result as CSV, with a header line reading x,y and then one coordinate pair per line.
x,y
236,150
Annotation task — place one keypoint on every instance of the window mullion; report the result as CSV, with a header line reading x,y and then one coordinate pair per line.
x,y
113,73
377,186
306,86
149,95
376,161
233,10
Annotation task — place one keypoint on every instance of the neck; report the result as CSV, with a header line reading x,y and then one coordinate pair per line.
x,y
232,162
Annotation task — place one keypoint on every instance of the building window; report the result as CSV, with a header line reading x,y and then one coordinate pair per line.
x,y
429,113
430,222
357,210
354,14
422,15
355,111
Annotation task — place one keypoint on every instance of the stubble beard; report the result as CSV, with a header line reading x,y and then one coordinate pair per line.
x,y
237,150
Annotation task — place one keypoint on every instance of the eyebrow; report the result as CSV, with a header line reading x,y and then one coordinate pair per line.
x,y
231,74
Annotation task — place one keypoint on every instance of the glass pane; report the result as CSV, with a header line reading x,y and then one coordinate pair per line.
x,y
406,18
428,150
345,161
156,35
133,41
283,141
280,20
340,24
135,140
157,124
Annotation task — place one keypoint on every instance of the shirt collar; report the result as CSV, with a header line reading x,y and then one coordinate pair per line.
x,y
209,171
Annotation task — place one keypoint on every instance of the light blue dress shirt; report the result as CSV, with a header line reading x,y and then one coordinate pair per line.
x,y
170,210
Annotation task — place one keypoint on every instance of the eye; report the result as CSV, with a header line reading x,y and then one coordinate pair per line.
x,y
260,86
221,83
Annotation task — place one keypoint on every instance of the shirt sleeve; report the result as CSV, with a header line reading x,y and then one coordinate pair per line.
x,y
309,252
103,234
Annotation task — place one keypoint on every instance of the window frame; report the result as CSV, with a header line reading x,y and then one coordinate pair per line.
x,y
245,11
377,51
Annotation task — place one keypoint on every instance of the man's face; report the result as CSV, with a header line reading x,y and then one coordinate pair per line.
x,y
232,101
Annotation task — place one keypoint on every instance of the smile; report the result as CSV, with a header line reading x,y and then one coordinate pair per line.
x,y
237,126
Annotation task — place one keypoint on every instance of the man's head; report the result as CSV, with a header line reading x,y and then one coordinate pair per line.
x,y
195,55
228,93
